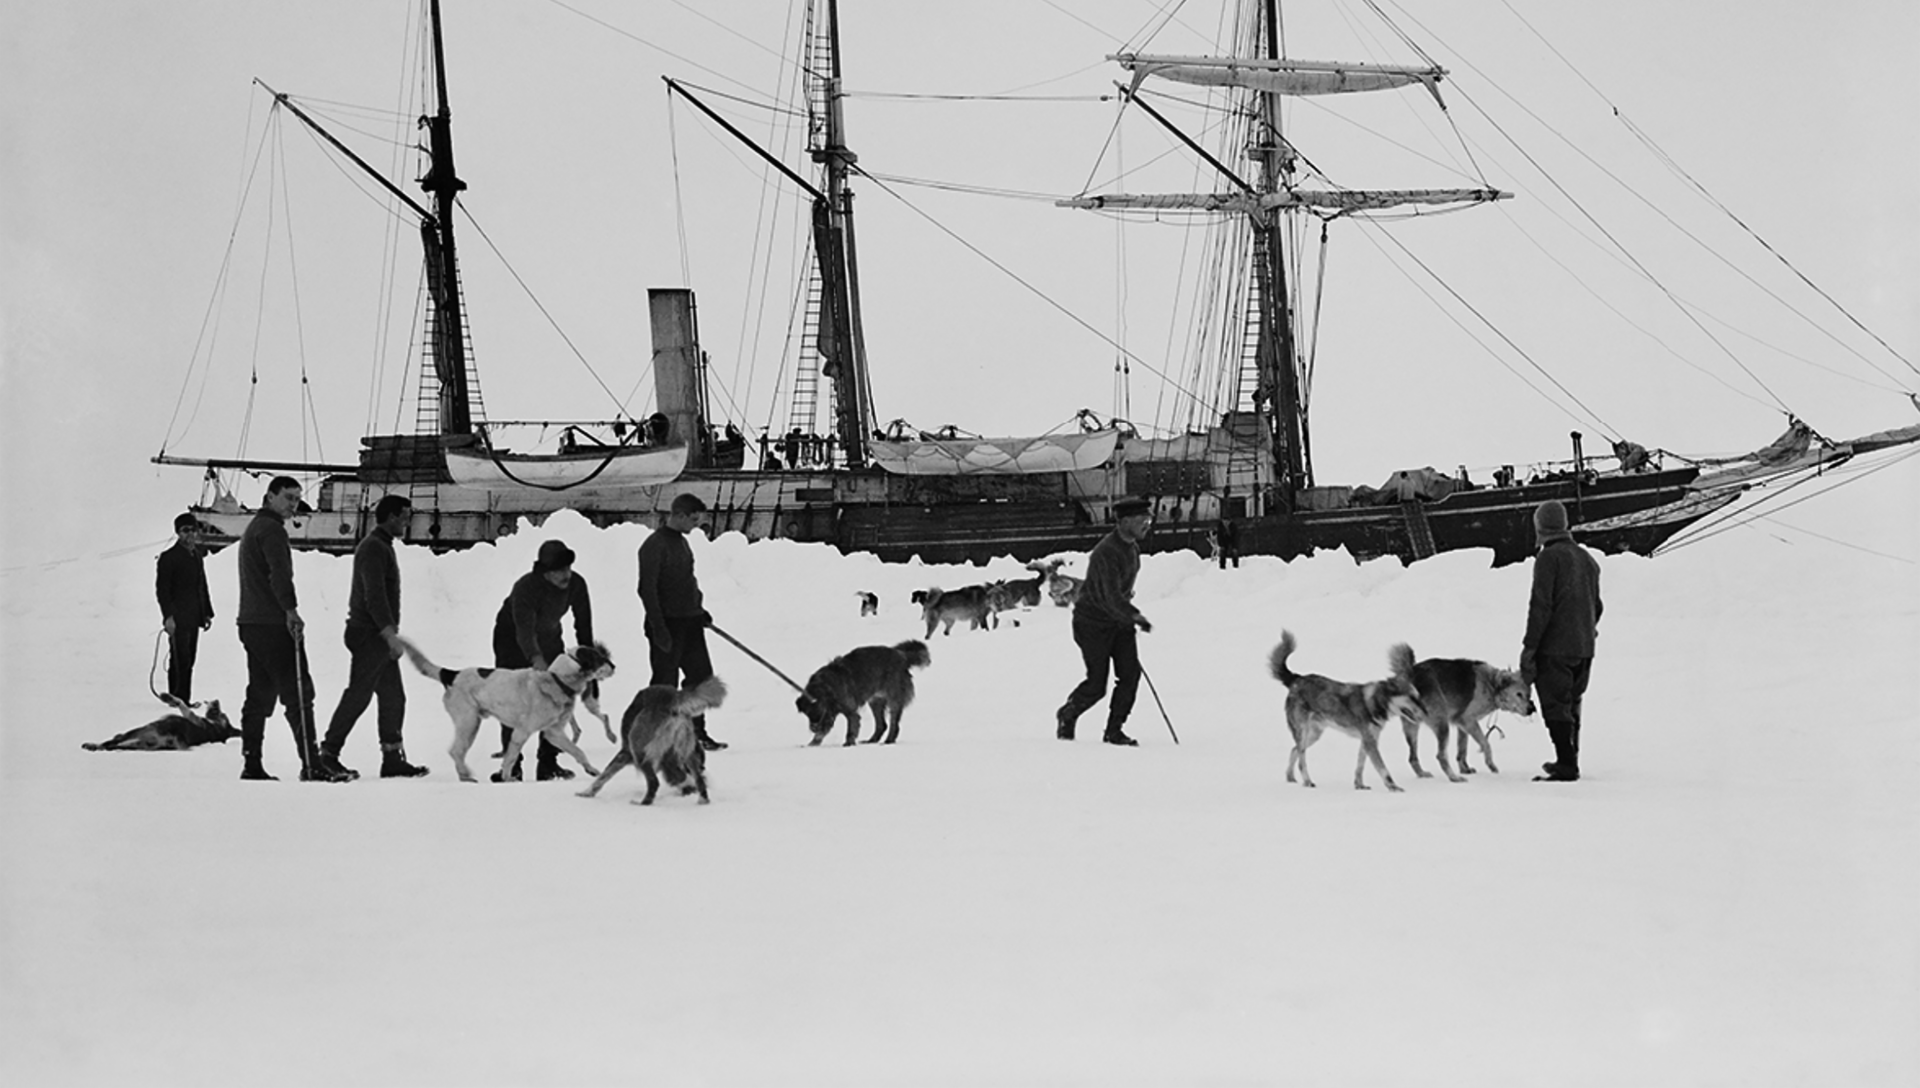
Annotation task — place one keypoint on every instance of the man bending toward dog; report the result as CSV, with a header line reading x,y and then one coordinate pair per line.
x,y
373,641
526,634
1104,625
1556,655
677,618
273,633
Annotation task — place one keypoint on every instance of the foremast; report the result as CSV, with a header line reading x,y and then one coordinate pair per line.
x,y
1270,201
448,319
841,340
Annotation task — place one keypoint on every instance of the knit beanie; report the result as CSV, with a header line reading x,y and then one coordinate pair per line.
x,y
1550,522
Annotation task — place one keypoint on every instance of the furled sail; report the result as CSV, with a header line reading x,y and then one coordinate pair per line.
x,y
1342,200
997,456
1288,77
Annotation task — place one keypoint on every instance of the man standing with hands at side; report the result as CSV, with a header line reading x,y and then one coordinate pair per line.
x,y
373,641
186,608
677,619
1105,622
1563,617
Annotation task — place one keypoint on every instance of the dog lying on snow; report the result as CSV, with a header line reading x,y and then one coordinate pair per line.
x,y
948,606
527,701
1459,693
1316,704
660,739
876,676
178,731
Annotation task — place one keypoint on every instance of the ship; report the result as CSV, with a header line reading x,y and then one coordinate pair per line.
x,y
839,476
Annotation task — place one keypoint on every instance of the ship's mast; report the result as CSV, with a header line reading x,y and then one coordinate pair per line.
x,y
436,235
1277,355
842,341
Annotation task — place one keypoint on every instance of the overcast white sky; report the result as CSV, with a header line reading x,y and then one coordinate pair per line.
x,y
126,130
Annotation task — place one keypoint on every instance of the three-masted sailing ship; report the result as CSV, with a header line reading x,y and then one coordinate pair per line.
x,y
951,496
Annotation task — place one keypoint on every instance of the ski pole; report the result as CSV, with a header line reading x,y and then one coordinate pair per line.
x,y
1158,703
743,649
307,739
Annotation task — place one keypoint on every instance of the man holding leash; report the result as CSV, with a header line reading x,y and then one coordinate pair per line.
x,y
1563,615
677,618
273,635
1105,622
526,634
186,608
373,641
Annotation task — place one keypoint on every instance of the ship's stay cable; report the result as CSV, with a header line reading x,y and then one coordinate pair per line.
x,y
1674,166
1845,475
1015,277
515,273
308,413
209,334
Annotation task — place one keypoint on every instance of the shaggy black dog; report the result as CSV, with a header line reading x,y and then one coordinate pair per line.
x,y
876,676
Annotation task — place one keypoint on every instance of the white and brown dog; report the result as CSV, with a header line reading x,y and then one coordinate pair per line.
x,y
1459,693
527,701
1316,704
660,739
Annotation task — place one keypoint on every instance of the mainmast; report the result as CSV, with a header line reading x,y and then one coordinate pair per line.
x,y
436,235
1276,355
842,342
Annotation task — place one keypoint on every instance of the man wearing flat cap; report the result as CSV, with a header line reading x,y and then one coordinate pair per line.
x,y
526,633
676,613
1104,625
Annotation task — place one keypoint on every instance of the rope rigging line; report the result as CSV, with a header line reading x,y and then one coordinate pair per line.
x,y
1725,523
309,411
1674,166
537,303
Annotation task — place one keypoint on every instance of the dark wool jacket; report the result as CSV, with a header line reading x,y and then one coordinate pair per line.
x,y
1564,611
1107,595
667,586
532,611
180,583
374,600
266,571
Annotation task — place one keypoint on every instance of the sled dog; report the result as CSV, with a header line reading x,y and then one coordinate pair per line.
x,y
660,739
178,731
1459,693
527,701
947,606
869,603
1062,589
875,676
1316,704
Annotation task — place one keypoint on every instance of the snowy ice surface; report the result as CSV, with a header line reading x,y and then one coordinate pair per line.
x,y
1728,898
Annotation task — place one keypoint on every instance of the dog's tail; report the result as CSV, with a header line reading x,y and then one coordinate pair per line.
x,y
1400,660
427,668
701,697
1277,661
915,652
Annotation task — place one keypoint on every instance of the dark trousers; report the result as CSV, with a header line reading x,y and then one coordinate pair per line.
x,y
373,673
507,655
686,662
276,673
183,648
1229,553
1560,682
1105,645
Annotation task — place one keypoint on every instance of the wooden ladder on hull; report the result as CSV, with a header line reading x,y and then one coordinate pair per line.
x,y
1419,533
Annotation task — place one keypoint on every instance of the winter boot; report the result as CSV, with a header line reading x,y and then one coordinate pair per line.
x,y
321,770
547,767
330,759
1062,725
513,774
1114,735
393,763
1565,766
252,771
707,743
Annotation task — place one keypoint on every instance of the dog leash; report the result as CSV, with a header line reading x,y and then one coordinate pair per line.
x,y
1156,702
743,649
158,641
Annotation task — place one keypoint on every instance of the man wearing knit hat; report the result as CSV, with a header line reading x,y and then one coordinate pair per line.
x,y
526,633
1556,655
1104,625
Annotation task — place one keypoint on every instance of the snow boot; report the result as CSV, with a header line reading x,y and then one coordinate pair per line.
x,y
707,743
320,771
1115,736
513,775
330,759
252,771
1062,725
548,772
393,764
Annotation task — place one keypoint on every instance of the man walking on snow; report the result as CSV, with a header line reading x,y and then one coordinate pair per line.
x,y
1104,625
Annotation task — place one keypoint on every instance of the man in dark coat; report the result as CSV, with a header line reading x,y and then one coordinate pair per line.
x,y
186,608
1104,625
273,634
1228,534
526,634
677,617
373,643
1563,616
